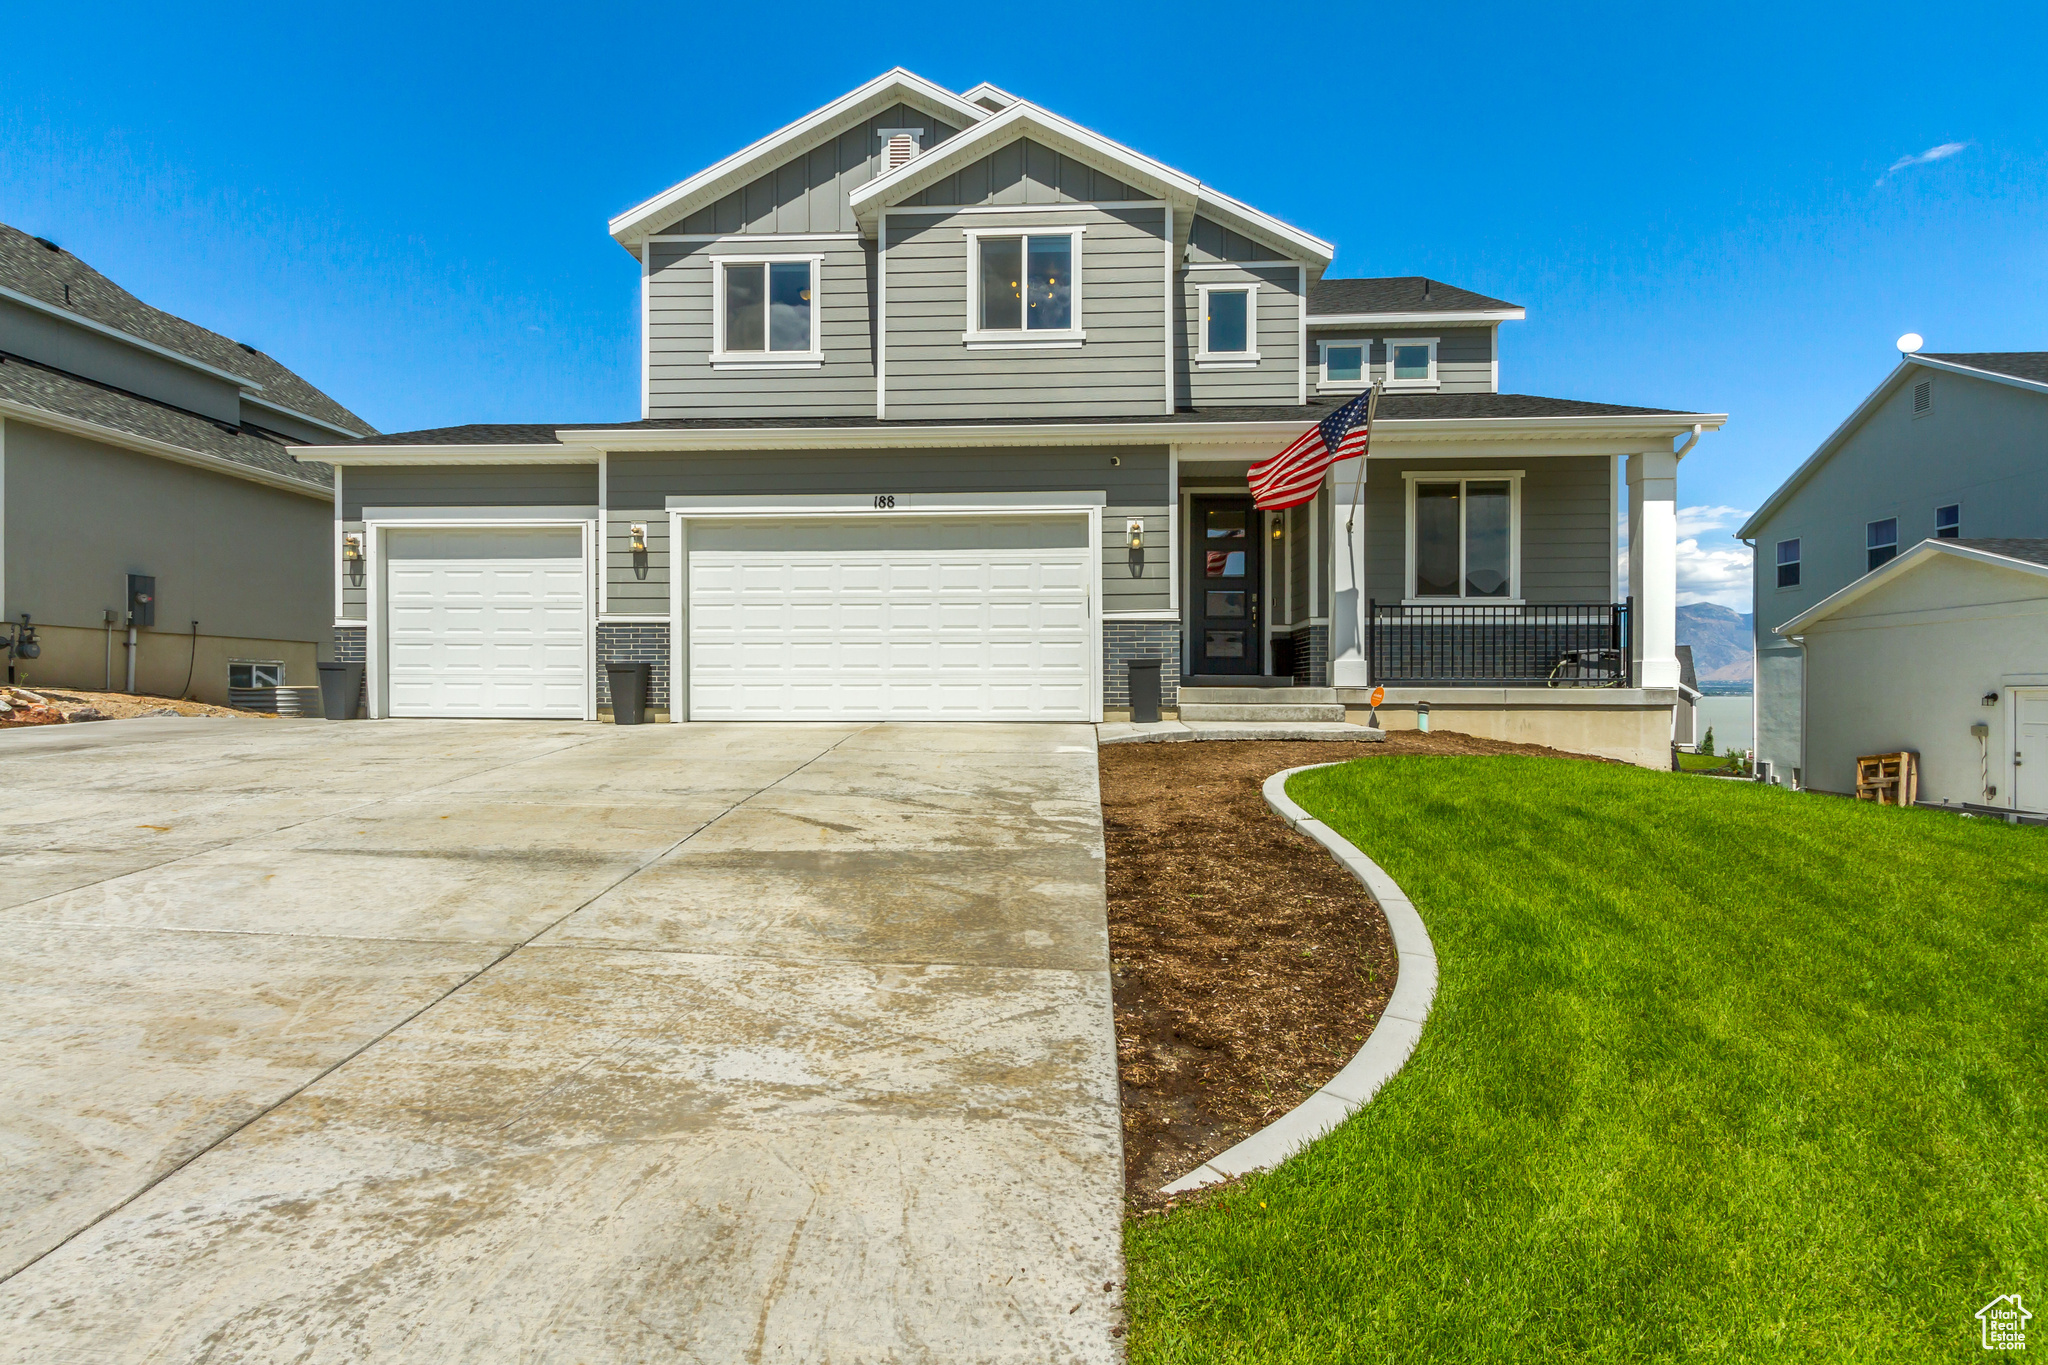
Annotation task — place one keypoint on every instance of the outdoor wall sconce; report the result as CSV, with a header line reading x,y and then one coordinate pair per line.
x,y
1990,699
1278,528
639,538
1135,529
352,556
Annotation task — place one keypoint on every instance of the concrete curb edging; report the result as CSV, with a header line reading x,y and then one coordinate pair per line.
x,y
1386,1049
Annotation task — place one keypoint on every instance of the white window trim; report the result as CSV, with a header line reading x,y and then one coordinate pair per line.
x,y
1022,339
1358,385
722,359
1227,360
1429,383
1462,476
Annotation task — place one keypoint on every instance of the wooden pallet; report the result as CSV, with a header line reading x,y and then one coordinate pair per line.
x,y
1889,779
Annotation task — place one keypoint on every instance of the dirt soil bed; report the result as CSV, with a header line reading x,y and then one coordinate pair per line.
x,y
69,702
1247,965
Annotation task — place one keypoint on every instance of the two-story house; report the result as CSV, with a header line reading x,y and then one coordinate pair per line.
x,y
947,404
156,534
1952,448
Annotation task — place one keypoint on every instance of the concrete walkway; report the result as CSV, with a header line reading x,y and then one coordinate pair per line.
x,y
507,1041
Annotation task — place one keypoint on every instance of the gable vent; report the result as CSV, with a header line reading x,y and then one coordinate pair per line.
x,y
1923,396
899,145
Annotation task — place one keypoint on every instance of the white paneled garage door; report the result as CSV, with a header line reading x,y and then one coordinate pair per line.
x,y
486,622
891,619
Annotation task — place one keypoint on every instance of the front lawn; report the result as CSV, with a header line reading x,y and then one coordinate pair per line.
x,y
1715,1070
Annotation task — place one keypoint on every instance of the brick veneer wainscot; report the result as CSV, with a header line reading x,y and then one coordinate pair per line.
x,y
634,643
1123,641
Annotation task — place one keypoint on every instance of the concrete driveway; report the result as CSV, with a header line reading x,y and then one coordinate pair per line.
x,y
510,1041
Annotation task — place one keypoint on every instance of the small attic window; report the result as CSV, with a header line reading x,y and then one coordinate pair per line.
x,y
1923,397
899,145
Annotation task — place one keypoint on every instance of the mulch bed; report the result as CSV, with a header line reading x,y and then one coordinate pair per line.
x,y
1247,965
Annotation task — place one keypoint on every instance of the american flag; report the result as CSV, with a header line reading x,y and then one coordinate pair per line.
x,y
1291,478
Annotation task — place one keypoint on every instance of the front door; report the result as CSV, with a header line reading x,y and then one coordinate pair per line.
x,y
1226,568
2030,748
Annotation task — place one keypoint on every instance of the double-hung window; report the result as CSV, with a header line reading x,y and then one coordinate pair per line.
x,y
1880,542
1024,287
1464,537
1411,362
1948,521
1230,324
1344,364
765,311
1788,563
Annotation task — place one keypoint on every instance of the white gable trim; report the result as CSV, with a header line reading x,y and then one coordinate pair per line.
x,y
1920,554
716,181
985,91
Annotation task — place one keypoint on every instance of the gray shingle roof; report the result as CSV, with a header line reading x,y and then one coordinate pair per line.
x,y
2031,365
1396,294
28,267
1393,407
2033,551
38,386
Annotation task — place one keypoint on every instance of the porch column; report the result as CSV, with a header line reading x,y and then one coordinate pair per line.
x,y
1347,578
1653,565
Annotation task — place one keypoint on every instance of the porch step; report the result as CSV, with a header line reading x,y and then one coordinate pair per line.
x,y
1258,696
1271,711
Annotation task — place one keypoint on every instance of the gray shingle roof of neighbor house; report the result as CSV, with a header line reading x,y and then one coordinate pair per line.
x,y
81,400
2030,365
56,277
1398,294
2032,551
1393,407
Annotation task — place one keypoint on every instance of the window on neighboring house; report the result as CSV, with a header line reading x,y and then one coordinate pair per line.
x,y
1948,521
766,311
1230,323
1411,362
1788,563
1881,542
1462,535
1024,284
255,675
1343,363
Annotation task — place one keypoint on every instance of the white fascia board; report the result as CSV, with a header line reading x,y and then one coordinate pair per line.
x,y
1236,214
1877,578
128,338
987,91
717,180
1415,319
1749,530
1994,376
308,418
343,456
128,440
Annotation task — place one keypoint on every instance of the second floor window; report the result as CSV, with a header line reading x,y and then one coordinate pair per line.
x,y
1230,323
1788,563
1026,283
1344,364
1948,521
767,309
1881,542
1411,362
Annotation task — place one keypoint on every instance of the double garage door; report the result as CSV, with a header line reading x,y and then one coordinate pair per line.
x,y
798,619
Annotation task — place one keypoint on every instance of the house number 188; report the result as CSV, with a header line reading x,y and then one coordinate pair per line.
x,y
885,501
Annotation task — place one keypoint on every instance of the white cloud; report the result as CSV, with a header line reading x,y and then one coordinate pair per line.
x,y
1940,153
1717,575
1693,520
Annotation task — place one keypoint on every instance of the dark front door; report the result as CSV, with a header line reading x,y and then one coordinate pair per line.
x,y
1225,570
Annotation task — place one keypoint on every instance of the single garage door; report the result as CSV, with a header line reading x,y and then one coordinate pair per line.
x,y
890,619
487,622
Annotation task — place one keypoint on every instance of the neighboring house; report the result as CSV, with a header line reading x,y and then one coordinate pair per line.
x,y
1948,446
1943,651
947,405
144,475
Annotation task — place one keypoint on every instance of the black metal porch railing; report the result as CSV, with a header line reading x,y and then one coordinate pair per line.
x,y
1552,645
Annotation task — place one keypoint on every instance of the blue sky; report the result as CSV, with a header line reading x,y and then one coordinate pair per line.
x,y
1701,207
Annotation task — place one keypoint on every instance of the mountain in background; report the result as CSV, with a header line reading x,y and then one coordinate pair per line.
x,y
1721,641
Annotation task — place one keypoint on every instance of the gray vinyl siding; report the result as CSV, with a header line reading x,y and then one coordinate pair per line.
x,y
355,597
1209,241
681,380
1118,371
1025,172
1566,539
638,487
1464,355
808,192
1275,379
529,485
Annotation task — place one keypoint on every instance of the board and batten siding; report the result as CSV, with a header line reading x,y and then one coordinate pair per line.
x,y
1278,341
681,381
1024,172
1119,370
809,192
1208,241
1567,539
1464,355
638,487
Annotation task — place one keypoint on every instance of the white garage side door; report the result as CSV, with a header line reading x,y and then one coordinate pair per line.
x,y
487,623
818,622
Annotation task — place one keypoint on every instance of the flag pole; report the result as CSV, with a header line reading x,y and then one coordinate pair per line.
x,y
1372,405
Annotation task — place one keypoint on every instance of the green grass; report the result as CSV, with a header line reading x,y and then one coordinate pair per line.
x,y
1715,1071
1703,763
